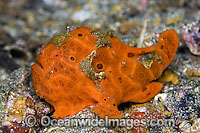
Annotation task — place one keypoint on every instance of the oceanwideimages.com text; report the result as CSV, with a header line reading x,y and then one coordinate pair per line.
x,y
129,123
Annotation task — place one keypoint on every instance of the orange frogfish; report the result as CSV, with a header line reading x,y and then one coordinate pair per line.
x,y
81,68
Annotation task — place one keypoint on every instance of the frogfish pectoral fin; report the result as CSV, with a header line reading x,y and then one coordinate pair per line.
x,y
148,92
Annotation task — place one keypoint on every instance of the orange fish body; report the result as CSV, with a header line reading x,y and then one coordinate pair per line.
x,y
127,78
129,72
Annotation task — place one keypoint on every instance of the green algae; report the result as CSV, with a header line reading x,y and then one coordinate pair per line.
x,y
148,59
102,41
86,67
111,33
60,38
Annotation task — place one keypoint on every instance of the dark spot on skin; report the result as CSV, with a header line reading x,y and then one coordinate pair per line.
x,y
61,83
130,54
64,47
56,55
55,69
104,99
110,71
148,94
71,44
99,66
144,89
168,53
113,104
120,79
72,58
161,47
80,35
72,70
61,65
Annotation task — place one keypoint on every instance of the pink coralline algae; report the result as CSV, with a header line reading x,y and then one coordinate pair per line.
x,y
190,33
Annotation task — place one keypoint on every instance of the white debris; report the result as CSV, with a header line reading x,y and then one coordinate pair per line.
x,y
81,15
163,96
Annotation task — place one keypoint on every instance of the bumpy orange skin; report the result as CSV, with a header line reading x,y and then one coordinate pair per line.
x,y
58,79
127,78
